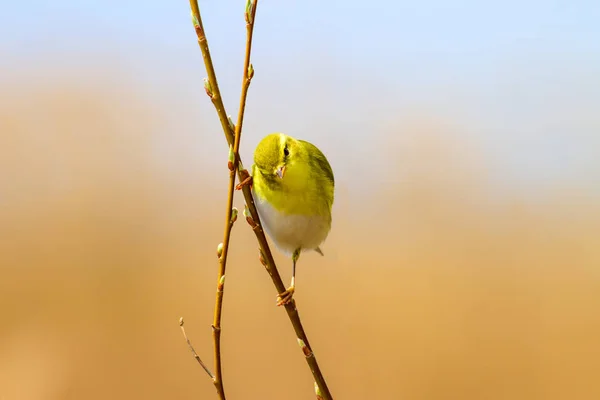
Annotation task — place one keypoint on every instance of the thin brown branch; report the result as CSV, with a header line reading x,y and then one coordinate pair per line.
x,y
233,166
246,76
232,134
230,219
212,78
196,356
223,250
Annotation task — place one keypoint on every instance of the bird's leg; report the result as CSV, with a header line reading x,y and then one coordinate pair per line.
x,y
286,297
246,180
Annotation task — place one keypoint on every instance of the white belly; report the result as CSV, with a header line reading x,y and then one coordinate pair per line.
x,y
290,232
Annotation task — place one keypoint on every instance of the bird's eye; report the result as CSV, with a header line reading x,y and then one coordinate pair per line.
x,y
286,152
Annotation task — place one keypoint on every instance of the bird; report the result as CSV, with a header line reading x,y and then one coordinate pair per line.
x,y
293,188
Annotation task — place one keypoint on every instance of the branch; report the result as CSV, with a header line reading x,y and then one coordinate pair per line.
x,y
232,134
210,84
230,219
196,356
222,251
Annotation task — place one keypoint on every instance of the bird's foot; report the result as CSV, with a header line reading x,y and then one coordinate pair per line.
x,y
286,297
246,179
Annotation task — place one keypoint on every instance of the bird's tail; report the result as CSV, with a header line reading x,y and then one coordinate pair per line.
x,y
318,250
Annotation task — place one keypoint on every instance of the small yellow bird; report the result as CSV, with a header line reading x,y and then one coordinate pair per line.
x,y
293,188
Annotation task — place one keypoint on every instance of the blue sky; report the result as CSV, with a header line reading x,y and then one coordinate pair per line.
x,y
523,74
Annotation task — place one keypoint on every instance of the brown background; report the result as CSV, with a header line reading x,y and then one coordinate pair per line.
x,y
433,285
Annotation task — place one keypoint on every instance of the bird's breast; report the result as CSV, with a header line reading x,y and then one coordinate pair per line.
x,y
292,231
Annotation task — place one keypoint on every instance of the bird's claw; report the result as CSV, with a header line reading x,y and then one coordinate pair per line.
x,y
246,180
286,297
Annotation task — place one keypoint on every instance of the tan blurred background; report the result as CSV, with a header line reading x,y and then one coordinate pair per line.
x,y
429,289
437,282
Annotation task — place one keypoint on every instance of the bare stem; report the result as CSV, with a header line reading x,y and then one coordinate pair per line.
x,y
196,356
246,78
212,78
233,138
229,220
233,166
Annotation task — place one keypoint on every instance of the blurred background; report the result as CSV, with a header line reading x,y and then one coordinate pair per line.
x,y
464,257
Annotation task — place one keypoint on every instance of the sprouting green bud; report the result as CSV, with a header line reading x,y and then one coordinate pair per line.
x,y
250,71
261,257
304,347
208,87
231,124
249,11
234,214
221,283
195,19
231,158
219,250
318,391
249,218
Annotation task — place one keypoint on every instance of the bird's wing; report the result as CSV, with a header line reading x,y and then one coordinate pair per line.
x,y
320,160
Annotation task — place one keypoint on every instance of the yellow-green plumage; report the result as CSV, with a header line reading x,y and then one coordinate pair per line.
x,y
293,189
295,209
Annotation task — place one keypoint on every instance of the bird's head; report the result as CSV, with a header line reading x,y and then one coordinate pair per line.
x,y
274,154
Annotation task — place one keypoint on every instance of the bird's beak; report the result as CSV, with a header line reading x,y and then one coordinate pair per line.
x,y
280,171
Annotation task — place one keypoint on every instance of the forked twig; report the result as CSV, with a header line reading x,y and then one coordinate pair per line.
x,y
233,135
